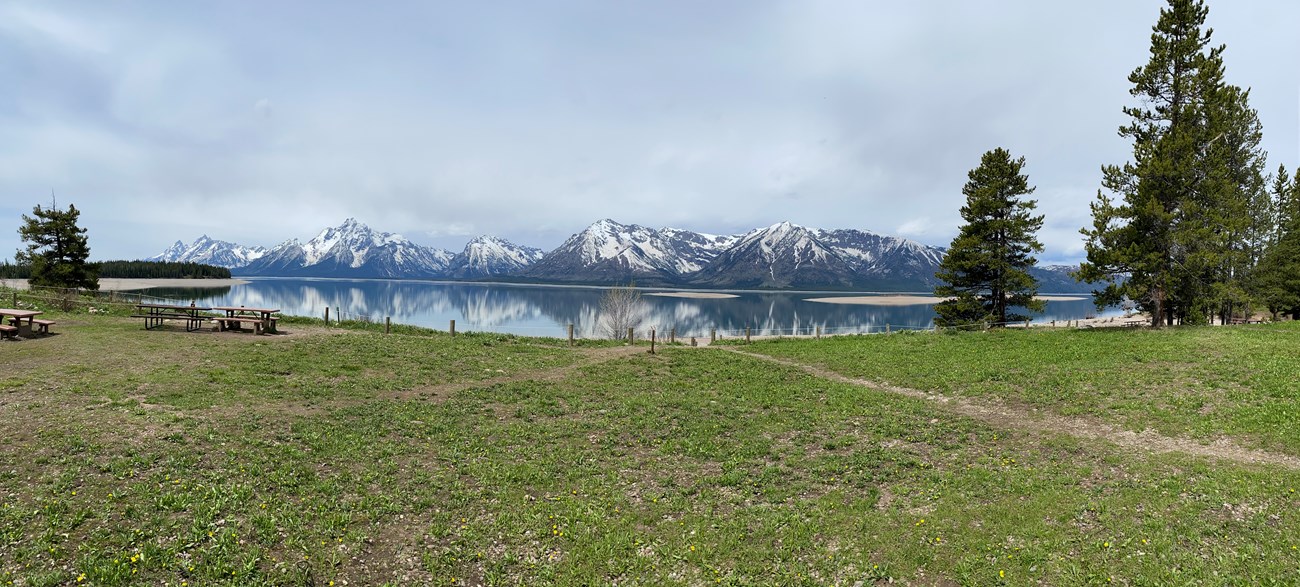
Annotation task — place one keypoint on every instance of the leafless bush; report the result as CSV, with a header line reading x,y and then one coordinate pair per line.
x,y
620,309
66,299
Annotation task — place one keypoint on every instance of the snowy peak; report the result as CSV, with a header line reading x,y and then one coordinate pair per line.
x,y
609,251
211,252
352,249
884,255
352,240
489,255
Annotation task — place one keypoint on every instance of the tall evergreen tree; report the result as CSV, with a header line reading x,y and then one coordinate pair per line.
x,y
1277,280
1174,239
57,249
1225,229
986,269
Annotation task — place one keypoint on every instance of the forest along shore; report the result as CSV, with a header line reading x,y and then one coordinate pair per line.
x,y
123,284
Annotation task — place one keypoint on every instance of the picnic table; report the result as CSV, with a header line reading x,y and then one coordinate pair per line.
x,y
22,321
155,314
262,319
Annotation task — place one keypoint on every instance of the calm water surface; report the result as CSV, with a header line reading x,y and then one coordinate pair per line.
x,y
535,310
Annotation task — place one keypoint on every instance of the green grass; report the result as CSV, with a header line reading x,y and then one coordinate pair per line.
x,y
169,458
1207,382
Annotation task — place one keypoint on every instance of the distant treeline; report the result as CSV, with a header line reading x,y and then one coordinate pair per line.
x,y
160,270
134,269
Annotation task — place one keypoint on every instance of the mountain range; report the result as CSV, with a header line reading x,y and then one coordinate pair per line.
x,y
781,256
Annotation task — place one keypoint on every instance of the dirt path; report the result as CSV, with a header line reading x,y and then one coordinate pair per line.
x,y
1003,415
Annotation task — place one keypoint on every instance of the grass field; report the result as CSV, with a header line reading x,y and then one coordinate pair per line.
x,y
328,456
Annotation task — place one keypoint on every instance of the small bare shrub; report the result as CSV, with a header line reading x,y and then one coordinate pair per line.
x,y
621,308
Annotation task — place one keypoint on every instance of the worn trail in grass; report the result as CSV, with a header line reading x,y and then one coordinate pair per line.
x,y
1008,415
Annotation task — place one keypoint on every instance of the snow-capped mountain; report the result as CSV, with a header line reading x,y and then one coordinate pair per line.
x,y
609,252
211,252
779,256
352,249
486,256
783,255
885,259
1058,279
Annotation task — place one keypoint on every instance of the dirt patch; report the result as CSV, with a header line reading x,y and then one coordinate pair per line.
x,y
1015,417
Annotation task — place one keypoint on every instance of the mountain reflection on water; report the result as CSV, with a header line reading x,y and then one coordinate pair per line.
x,y
536,310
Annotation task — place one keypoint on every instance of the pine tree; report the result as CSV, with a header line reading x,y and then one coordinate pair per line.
x,y
57,249
986,269
1175,238
1277,280
1225,228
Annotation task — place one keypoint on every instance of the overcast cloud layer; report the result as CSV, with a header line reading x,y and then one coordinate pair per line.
x,y
256,122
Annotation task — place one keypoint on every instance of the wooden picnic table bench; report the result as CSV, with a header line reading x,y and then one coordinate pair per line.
x,y
155,314
7,331
22,320
263,320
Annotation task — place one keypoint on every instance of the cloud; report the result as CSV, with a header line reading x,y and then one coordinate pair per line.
x,y
448,122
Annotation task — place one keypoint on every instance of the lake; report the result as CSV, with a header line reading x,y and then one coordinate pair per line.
x,y
540,310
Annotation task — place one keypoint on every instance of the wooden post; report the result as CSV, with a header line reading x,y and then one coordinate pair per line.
x,y
327,315
338,315
713,335
15,300
1026,324
388,324
652,341
746,335
629,336
672,335
819,331
887,329
570,335
453,328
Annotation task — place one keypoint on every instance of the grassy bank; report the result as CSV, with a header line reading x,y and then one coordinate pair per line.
x,y
172,458
1205,382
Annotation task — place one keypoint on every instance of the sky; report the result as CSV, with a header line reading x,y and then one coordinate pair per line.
x,y
256,122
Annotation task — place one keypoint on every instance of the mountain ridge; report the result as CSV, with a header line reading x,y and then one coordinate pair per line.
x,y
780,256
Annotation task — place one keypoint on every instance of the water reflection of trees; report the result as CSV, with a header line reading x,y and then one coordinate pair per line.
x,y
548,310
183,293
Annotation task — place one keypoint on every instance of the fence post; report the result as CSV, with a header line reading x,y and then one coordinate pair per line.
x,y
570,334
652,341
453,328
672,335
819,331
629,337
327,315
1026,324
746,335
388,324
888,330
338,314
713,335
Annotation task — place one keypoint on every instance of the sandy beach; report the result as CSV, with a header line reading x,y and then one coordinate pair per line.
x,y
116,284
911,300
695,295
891,300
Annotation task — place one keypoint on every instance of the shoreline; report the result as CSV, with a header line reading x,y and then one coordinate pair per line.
x,y
694,295
129,284
916,300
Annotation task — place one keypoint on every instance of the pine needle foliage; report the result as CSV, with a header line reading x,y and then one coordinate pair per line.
x,y
986,269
